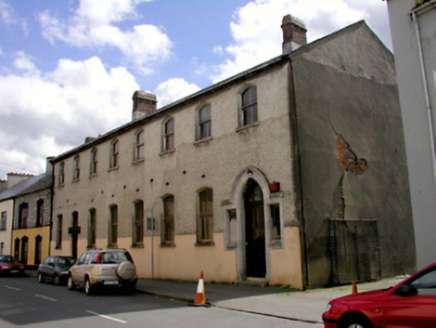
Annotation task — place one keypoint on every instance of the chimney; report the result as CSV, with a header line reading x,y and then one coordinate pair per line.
x,y
294,34
144,104
49,165
3,185
14,178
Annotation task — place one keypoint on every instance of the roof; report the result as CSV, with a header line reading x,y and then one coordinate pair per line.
x,y
33,184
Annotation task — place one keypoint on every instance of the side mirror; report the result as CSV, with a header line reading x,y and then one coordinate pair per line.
x,y
405,290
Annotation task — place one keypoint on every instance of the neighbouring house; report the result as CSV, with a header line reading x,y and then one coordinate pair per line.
x,y
413,29
11,187
292,172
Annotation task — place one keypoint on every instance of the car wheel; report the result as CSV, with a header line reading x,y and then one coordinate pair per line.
x,y
40,278
356,322
88,287
56,280
70,283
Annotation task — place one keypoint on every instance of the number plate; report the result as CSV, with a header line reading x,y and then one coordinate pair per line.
x,y
111,282
14,271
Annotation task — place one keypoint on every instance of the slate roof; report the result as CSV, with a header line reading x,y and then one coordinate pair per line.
x,y
33,184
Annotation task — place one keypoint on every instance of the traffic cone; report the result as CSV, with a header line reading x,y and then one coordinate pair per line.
x,y
354,289
200,297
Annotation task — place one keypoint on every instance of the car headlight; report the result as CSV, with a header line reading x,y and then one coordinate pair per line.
x,y
329,306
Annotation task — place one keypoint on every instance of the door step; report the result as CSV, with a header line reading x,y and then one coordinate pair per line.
x,y
258,282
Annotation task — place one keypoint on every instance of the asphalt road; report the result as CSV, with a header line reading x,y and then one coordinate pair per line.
x,y
25,302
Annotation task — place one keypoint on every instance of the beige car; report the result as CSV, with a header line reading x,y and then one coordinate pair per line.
x,y
103,269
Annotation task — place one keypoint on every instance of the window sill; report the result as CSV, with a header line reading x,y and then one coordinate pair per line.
x,y
93,175
202,141
231,246
276,244
167,152
167,244
58,247
61,185
112,246
138,161
75,180
204,243
115,168
138,245
248,126
90,247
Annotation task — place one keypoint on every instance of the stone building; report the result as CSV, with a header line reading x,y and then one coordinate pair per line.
x,y
292,172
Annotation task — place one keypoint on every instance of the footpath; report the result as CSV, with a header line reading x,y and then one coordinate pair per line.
x,y
303,306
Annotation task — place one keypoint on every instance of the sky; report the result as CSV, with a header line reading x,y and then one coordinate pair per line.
x,y
68,69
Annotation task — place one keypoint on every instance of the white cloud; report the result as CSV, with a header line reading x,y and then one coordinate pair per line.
x,y
92,25
257,36
8,16
45,114
24,63
174,89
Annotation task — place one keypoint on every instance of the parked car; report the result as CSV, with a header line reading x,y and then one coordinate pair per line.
x,y
103,269
55,269
411,303
10,266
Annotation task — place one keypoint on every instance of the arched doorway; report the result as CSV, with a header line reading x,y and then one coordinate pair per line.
x,y
255,255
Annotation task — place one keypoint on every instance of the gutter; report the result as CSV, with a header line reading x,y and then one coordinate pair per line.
x,y
422,9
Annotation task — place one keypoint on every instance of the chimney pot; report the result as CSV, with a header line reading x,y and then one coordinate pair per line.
x,y
144,104
294,34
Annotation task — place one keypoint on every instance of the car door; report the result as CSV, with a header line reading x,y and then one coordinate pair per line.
x,y
78,270
417,307
50,268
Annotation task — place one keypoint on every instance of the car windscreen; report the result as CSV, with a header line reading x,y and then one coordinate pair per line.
x,y
115,257
6,259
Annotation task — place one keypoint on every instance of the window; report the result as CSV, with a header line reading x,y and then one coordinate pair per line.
x,y
76,168
16,248
168,135
2,246
113,226
139,145
23,213
204,123
59,232
4,221
205,220
40,213
249,106
93,164
168,233
24,249
61,174
138,224
38,244
275,222
92,228
114,154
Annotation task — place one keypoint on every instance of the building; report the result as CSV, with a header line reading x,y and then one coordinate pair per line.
x,y
292,173
11,187
413,28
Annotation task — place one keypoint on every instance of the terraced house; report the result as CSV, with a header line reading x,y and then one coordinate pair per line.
x,y
292,172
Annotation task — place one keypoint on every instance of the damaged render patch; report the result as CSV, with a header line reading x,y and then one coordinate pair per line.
x,y
348,159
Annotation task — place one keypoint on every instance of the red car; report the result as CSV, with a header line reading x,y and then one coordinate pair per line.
x,y
8,266
411,303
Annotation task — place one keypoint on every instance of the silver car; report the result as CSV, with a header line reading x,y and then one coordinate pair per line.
x,y
103,269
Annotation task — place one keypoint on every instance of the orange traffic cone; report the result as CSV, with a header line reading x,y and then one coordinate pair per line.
x,y
200,297
354,288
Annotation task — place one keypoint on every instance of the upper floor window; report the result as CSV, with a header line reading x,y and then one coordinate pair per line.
x,y
113,226
168,135
204,123
139,145
23,213
114,154
94,161
76,168
168,234
249,106
205,219
40,213
138,224
4,221
61,173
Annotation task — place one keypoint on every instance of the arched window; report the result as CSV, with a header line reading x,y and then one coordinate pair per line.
x,y
138,224
16,248
204,123
113,226
139,145
24,249
205,216
168,135
94,162
76,168
23,214
249,106
114,154
40,213
92,228
59,232
61,179
168,235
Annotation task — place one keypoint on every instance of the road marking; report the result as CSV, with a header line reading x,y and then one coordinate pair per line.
x,y
107,317
13,288
46,298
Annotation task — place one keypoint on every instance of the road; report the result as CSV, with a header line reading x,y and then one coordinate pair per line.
x,y
25,302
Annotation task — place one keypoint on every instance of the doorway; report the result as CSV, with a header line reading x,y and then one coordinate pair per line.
x,y
255,255
75,234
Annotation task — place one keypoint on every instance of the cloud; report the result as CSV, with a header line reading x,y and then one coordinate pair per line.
x,y
174,89
257,36
44,114
8,16
93,25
